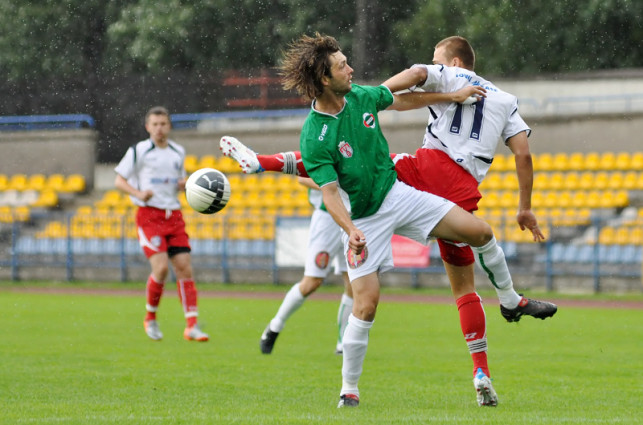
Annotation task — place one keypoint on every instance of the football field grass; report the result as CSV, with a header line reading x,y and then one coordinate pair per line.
x,y
84,359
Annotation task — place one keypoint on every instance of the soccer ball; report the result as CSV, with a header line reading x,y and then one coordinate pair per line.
x,y
207,190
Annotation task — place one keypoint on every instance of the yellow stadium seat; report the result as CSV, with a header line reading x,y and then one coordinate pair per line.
x,y
537,199
36,182
191,163
250,182
607,236
56,182
579,199
556,181
208,161
639,181
510,181
499,163
228,165
594,199
17,182
607,161
75,183
267,182
636,161
621,199
111,198
543,162
592,161
560,162
576,161
4,181
601,180
46,199
490,199
492,181
541,181
508,199
550,200
586,180
623,160
616,180
572,181
629,180
84,210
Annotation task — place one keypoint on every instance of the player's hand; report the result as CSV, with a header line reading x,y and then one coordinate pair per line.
x,y
469,94
527,220
180,184
356,241
145,195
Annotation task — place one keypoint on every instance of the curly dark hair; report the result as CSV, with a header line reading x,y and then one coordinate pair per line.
x,y
305,62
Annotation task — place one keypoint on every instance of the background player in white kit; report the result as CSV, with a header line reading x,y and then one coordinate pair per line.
x,y
324,247
152,173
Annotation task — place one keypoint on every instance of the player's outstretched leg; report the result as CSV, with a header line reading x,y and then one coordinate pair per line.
x,y
486,394
284,162
245,156
529,307
491,259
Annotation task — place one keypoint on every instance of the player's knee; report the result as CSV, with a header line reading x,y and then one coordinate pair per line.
x,y
309,284
483,234
365,311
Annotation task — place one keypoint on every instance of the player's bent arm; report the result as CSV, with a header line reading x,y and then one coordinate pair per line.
x,y
335,207
416,100
121,183
406,79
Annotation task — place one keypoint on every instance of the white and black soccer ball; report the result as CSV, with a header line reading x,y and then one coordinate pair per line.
x,y
207,190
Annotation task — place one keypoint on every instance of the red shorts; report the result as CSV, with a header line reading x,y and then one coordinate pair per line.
x,y
161,231
433,171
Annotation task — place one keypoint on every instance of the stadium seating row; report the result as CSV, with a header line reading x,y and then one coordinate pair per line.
x,y
198,226
570,180
562,161
576,161
558,199
73,183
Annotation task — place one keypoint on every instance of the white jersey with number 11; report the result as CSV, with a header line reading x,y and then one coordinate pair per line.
x,y
470,134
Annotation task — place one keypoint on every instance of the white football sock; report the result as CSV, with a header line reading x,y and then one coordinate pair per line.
x,y
355,344
491,259
292,301
345,308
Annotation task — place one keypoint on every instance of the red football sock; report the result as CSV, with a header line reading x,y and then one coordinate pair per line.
x,y
474,328
283,162
188,297
153,293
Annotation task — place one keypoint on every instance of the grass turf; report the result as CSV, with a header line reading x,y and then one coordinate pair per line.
x,y
82,359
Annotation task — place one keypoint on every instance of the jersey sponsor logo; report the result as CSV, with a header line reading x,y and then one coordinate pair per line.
x,y
163,180
368,119
323,133
354,261
322,259
345,149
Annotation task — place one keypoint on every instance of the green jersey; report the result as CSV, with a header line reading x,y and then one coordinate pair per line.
x,y
350,148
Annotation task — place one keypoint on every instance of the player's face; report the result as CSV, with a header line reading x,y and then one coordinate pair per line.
x,y
440,57
341,74
159,127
